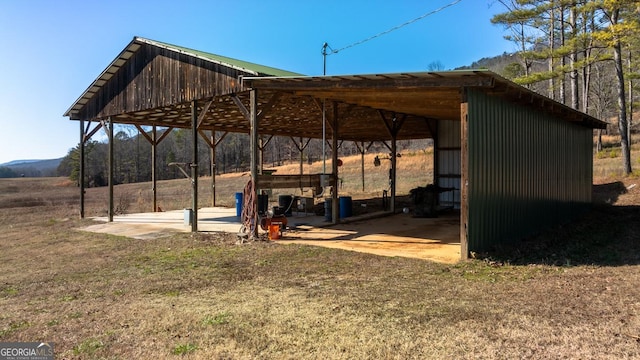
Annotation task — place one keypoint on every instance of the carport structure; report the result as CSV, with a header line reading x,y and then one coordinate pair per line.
x,y
520,161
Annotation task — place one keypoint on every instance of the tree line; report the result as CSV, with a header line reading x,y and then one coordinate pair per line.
x,y
132,155
582,53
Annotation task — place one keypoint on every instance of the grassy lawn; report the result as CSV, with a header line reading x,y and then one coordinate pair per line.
x,y
568,293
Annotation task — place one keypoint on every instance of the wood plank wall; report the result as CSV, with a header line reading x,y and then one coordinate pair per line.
x,y
156,77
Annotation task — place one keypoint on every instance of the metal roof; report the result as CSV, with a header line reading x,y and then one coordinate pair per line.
x,y
366,104
137,42
432,95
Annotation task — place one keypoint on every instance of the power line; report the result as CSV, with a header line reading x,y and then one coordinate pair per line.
x,y
325,46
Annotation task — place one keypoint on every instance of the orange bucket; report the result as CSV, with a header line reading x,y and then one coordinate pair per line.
x,y
274,231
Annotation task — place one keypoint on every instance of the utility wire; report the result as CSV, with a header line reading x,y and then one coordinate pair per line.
x,y
332,51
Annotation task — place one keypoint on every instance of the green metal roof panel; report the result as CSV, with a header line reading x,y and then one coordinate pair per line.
x,y
256,69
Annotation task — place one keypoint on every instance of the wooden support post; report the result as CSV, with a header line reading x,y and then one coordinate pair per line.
x,y
253,120
361,149
436,157
213,168
194,165
261,147
81,172
335,208
362,164
154,165
301,149
213,143
464,183
111,159
393,126
394,167
154,141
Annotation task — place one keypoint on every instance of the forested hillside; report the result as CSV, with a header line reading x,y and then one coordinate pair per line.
x,y
582,53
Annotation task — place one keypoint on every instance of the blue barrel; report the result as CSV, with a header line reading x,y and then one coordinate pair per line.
x,y
238,204
327,209
346,207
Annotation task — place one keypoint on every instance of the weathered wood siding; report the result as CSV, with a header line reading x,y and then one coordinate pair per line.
x,y
156,77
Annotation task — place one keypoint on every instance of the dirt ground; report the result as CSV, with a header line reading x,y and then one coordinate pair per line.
x,y
570,293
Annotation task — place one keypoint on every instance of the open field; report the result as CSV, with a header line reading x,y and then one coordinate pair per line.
x,y
569,293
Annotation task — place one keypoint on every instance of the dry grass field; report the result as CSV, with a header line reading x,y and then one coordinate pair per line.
x,y
569,293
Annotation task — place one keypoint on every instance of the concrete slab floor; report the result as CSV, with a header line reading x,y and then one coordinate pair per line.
x,y
435,239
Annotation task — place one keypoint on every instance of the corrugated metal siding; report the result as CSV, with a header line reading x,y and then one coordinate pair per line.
x,y
527,171
449,161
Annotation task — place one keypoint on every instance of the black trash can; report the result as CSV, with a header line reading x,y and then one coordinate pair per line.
x,y
286,202
425,201
263,204
327,210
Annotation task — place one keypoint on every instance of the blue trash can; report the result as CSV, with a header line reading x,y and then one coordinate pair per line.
x,y
346,207
238,204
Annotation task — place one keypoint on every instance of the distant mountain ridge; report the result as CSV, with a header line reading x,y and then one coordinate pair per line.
x,y
497,63
31,168
33,163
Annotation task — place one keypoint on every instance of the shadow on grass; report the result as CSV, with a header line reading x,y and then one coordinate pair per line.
x,y
608,193
608,235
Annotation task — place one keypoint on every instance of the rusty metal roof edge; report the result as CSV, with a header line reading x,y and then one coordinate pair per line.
x,y
373,76
586,118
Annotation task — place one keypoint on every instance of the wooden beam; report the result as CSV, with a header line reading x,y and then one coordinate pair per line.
x,y
380,84
243,109
300,147
269,105
224,134
164,135
144,133
264,144
203,113
386,123
292,181
93,132
205,137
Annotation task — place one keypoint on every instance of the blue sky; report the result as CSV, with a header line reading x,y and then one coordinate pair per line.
x,y
53,50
